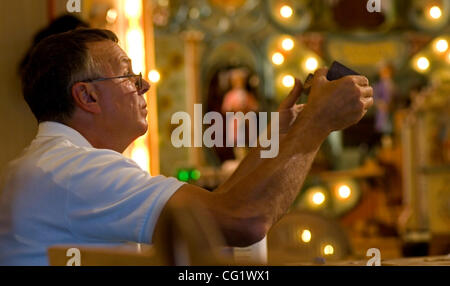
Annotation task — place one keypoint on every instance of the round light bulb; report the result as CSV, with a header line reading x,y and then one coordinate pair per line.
x,y
311,64
288,81
277,58
328,249
441,46
344,192
154,76
318,198
423,63
111,16
287,44
306,236
286,11
435,12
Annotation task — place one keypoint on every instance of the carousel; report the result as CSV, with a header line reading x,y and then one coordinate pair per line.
x,y
382,184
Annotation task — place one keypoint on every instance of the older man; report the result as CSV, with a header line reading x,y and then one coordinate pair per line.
x,y
73,186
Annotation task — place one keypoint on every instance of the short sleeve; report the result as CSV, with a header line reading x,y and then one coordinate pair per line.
x,y
111,199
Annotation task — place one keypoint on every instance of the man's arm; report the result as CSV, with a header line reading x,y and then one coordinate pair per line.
x,y
248,207
288,112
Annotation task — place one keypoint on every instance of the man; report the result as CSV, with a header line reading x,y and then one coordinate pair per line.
x,y
73,186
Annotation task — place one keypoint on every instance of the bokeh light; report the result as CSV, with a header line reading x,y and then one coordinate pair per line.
x,y
435,12
286,11
277,58
287,44
288,81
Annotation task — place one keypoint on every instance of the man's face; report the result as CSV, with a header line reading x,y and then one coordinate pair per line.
x,y
123,107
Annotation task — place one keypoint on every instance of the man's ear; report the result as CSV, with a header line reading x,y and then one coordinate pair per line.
x,y
86,97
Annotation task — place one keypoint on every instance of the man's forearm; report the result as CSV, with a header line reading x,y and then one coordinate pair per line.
x,y
246,167
269,189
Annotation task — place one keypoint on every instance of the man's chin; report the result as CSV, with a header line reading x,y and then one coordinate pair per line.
x,y
143,128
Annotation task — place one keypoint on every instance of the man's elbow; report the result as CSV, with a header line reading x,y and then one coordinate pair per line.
x,y
247,232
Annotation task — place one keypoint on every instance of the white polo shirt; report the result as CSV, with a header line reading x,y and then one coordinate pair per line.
x,y
61,190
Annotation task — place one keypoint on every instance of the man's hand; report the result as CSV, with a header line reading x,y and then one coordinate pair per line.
x,y
288,109
338,104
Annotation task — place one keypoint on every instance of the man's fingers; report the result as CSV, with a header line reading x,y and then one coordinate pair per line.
x,y
293,96
320,73
366,91
359,80
367,102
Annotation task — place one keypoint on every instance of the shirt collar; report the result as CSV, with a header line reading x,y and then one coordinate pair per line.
x,y
55,129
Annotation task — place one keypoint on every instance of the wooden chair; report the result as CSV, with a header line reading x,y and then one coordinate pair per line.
x,y
188,236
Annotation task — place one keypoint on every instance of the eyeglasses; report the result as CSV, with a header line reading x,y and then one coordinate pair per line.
x,y
137,78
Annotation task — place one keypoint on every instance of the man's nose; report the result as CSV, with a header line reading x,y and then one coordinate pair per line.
x,y
145,87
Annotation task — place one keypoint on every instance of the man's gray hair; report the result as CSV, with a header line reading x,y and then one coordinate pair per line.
x,y
55,64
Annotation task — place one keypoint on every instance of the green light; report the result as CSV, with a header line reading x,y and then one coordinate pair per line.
x,y
195,174
183,175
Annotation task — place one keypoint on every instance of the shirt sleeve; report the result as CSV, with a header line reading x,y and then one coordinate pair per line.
x,y
110,198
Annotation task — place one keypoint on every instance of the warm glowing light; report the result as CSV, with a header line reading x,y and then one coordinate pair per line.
x,y
135,49
328,249
286,11
448,57
287,44
435,12
277,58
140,155
318,198
154,76
441,46
423,63
111,16
288,81
306,236
311,64
133,8
344,191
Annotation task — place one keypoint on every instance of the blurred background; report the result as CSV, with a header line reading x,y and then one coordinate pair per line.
x,y
382,183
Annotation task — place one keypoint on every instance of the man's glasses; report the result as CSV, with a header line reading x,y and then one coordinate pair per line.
x,y
136,78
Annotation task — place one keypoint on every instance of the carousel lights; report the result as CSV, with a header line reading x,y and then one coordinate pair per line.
x,y
423,63
135,47
344,192
277,58
286,11
154,76
306,235
288,81
133,8
287,44
311,64
195,174
111,16
441,46
318,198
435,12
183,175
328,249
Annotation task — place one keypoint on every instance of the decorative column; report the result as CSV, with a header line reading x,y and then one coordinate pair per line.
x,y
192,40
